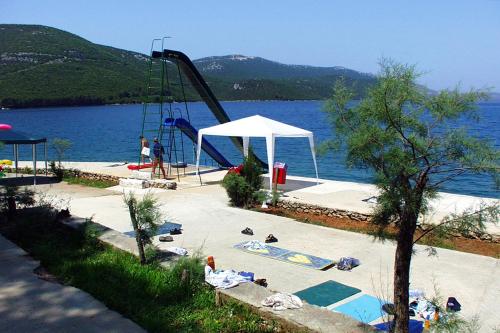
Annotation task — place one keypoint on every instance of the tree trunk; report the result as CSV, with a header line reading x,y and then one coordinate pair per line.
x,y
138,240
402,272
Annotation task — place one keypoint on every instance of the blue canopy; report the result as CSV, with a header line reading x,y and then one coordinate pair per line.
x,y
11,137
15,138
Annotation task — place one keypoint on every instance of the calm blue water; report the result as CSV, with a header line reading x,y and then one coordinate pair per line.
x,y
110,133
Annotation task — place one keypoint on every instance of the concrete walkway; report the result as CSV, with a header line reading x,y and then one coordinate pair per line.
x,y
213,227
29,304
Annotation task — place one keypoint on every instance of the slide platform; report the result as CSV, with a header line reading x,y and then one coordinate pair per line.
x,y
201,86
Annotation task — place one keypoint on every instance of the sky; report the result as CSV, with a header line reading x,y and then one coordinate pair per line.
x,y
452,42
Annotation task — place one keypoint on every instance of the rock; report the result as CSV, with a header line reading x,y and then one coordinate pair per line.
x,y
134,183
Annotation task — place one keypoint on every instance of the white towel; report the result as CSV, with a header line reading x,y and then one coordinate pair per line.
x,y
223,279
282,301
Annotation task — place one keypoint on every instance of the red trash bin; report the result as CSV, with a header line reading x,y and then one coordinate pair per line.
x,y
279,173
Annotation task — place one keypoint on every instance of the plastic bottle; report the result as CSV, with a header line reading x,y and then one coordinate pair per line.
x,y
211,262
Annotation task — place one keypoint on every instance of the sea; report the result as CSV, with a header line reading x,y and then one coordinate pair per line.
x,y
111,133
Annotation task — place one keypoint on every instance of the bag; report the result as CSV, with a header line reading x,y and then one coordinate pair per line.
x,y
453,305
347,263
145,151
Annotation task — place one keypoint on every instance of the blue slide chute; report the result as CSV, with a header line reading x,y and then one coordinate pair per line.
x,y
192,133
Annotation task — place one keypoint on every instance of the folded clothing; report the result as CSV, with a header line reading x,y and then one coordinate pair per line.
x,y
255,245
423,308
416,293
223,279
347,263
282,301
178,250
247,275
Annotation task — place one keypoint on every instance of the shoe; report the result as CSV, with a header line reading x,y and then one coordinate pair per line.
x,y
271,239
175,231
247,231
261,282
166,239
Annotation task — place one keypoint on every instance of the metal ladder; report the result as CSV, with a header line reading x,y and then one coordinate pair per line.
x,y
153,109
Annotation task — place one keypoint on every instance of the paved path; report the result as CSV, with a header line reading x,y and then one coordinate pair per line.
x,y
211,225
29,304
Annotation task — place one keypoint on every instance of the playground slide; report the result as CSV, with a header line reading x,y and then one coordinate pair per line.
x,y
192,133
198,83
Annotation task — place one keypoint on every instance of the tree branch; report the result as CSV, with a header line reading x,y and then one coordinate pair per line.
x,y
434,227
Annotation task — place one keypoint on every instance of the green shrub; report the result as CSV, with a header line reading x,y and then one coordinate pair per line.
x,y
239,191
57,170
12,197
244,189
252,172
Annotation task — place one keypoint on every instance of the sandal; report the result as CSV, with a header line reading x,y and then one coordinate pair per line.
x,y
175,231
261,282
247,231
271,239
166,239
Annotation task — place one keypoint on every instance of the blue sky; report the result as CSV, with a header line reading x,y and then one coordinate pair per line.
x,y
454,42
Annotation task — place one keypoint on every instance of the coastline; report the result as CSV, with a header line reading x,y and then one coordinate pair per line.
x,y
44,106
335,194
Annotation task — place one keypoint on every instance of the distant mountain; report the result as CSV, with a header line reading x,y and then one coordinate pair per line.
x,y
244,77
44,66
244,67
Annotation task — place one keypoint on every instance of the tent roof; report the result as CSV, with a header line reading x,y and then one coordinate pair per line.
x,y
256,126
11,137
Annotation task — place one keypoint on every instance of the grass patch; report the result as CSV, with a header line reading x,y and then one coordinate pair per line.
x,y
89,182
156,298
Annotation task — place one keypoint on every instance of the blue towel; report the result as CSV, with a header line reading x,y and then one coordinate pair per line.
x,y
247,275
163,229
365,308
415,326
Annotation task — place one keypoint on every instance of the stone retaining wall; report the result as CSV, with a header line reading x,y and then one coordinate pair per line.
x,y
318,210
97,176
299,207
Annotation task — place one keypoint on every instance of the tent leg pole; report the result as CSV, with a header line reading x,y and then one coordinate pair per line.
x,y
16,156
33,147
45,148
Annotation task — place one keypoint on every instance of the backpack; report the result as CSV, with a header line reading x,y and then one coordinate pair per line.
x,y
347,263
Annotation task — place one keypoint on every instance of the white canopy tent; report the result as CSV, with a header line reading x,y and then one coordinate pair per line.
x,y
257,126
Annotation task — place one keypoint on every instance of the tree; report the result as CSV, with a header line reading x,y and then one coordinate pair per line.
x,y
60,147
408,139
144,215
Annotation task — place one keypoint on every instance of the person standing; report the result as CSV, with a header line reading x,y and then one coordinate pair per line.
x,y
145,152
158,152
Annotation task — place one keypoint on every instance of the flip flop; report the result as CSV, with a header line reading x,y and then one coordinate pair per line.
x,y
166,239
271,239
247,231
261,282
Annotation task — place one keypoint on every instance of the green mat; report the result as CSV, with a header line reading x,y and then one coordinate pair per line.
x,y
326,293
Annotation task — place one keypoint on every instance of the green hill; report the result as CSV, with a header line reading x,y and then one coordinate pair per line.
x,y
46,66
43,66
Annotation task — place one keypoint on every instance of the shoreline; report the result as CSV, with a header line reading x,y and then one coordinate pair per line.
x,y
331,194
89,165
141,102
2,108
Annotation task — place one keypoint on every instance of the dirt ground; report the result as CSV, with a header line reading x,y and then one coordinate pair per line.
x,y
476,246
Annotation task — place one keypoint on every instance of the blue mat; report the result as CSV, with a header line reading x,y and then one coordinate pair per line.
x,y
327,293
292,257
165,228
365,308
415,326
